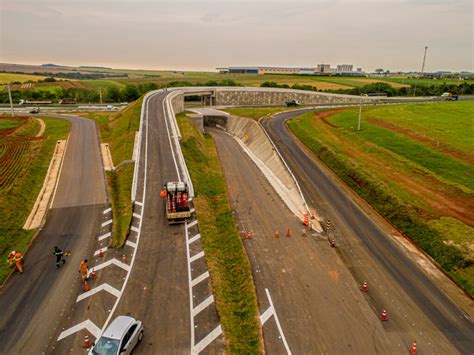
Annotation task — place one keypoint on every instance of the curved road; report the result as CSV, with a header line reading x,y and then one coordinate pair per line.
x,y
30,303
317,185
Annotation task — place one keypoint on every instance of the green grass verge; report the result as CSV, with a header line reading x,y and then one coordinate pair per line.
x,y
228,264
118,130
104,84
436,236
18,200
6,123
12,77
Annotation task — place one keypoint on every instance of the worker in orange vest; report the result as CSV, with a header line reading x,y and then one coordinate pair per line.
x,y
15,258
84,270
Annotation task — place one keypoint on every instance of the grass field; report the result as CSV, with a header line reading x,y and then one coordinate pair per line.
x,y
118,130
104,84
11,77
414,164
24,161
427,82
229,267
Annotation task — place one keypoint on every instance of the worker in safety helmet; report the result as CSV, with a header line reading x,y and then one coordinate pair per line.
x,y
58,253
84,270
16,259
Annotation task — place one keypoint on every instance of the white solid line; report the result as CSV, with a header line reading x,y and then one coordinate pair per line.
x,y
87,324
103,236
103,287
132,262
190,288
106,223
169,138
97,252
200,278
107,210
208,339
266,315
192,224
203,305
136,215
197,256
131,244
278,323
108,263
193,239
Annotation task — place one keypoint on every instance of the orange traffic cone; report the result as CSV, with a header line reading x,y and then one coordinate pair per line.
x,y
313,215
244,235
249,235
365,287
86,286
303,233
306,219
87,342
93,274
162,193
413,348
383,316
288,233
277,234
101,253
124,258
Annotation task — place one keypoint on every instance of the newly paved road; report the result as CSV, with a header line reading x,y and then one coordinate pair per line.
x,y
31,303
158,291
370,252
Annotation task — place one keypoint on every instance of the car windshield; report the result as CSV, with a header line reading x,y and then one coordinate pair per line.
x,y
106,346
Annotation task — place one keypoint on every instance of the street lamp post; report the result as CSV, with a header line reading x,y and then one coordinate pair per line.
x,y
11,102
360,112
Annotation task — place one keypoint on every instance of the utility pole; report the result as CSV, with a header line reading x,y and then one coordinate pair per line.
x,y
100,93
11,102
422,69
360,113
424,60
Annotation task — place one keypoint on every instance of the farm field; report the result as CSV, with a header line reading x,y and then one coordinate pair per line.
x,y
12,77
24,161
412,163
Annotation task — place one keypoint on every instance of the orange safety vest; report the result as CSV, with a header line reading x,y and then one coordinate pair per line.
x,y
84,267
18,257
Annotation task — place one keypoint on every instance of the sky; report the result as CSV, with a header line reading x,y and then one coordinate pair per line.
x,y
203,35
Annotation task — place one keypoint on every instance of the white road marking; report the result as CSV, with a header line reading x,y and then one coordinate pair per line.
x,y
103,287
106,223
197,256
110,262
193,239
278,323
192,224
134,229
103,236
97,252
208,339
139,203
136,215
87,324
203,305
266,315
169,138
107,210
131,244
190,288
200,278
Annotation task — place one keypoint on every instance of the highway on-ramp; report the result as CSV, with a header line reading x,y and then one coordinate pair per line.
x,y
31,303
369,251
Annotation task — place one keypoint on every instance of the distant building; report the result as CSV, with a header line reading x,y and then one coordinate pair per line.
x,y
344,68
266,70
323,69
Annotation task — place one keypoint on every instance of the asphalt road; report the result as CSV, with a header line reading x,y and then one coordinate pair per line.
x,y
379,259
31,303
158,291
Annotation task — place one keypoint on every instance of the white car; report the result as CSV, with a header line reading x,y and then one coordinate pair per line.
x,y
120,337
